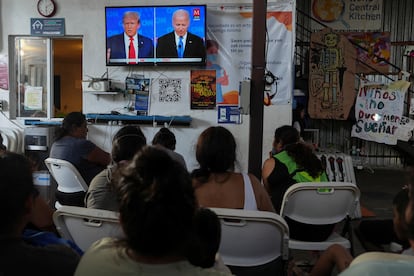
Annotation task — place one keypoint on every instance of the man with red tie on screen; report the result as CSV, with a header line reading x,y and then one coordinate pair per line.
x,y
129,46
180,43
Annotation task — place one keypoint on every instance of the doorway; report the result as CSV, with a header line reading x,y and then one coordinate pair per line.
x,y
67,75
48,76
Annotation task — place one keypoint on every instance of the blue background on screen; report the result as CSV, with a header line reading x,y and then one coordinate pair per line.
x,y
162,16
114,20
164,20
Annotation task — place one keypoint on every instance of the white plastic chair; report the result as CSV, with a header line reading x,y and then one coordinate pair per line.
x,y
13,139
84,226
320,203
66,175
252,238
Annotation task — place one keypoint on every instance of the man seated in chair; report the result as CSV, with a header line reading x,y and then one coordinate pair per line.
x,y
18,201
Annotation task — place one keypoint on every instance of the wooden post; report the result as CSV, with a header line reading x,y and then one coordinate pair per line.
x,y
257,87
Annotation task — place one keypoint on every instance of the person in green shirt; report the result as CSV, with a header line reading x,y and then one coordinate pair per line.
x,y
292,161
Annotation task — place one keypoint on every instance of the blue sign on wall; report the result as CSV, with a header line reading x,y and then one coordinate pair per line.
x,y
47,27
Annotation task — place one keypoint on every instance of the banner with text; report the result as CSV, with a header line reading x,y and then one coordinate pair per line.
x,y
362,15
379,113
229,47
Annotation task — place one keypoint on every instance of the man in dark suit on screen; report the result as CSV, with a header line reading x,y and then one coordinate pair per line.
x,y
129,46
180,43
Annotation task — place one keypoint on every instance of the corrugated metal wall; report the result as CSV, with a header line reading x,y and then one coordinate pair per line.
x,y
336,135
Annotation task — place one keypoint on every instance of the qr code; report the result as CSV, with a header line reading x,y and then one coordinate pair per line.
x,y
170,90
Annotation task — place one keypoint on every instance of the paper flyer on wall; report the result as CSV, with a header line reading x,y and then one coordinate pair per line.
x,y
33,98
228,114
203,89
139,87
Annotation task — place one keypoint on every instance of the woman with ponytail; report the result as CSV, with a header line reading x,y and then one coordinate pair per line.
x,y
292,161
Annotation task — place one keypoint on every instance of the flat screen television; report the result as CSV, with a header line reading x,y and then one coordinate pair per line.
x,y
157,43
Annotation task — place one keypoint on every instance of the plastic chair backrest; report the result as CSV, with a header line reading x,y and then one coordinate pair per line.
x,y
13,140
251,238
84,226
66,175
320,202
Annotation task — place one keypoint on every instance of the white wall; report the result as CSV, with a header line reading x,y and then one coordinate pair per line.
x,y
86,19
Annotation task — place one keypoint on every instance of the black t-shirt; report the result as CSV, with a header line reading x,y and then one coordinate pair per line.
x,y
279,182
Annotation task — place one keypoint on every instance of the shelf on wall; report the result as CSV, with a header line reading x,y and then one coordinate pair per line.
x,y
139,119
99,93
35,122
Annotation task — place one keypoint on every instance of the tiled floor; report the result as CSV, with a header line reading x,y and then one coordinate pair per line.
x,y
378,188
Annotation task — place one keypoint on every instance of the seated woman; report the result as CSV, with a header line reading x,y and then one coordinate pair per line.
x,y
157,209
215,182
71,145
293,162
126,142
19,202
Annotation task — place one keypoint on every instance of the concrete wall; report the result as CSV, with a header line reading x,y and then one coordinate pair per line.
x,y
86,19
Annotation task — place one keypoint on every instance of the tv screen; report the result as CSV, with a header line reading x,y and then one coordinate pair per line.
x,y
155,35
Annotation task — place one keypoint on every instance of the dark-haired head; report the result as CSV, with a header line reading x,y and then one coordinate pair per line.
x,y
215,152
207,236
157,204
286,135
287,139
165,138
126,142
71,121
16,186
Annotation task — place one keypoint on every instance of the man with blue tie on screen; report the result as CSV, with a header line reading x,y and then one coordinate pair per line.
x,y
180,43
129,46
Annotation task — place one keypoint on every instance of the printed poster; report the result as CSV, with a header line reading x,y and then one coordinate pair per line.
x,y
229,30
139,87
379,113
203,89
331,75
361,15
4,72
373,51
33,98
228,114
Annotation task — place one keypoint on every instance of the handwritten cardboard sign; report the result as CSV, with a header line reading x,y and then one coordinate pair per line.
x,y
379,113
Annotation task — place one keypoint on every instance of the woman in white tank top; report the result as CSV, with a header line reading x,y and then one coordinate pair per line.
x,y
215,182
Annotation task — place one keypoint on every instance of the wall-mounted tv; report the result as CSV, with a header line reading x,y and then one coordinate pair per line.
x,y
155,35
